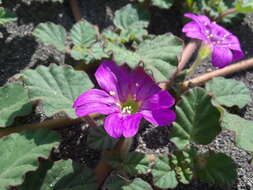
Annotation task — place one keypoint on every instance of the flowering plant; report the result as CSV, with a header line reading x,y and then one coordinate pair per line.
x,y
128,107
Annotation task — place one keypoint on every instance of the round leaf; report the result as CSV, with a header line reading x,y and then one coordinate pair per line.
x,y
216,168
83,34
163,175
56,87
20,153
10,105
51,34
243,130
62,175
229,92
197,119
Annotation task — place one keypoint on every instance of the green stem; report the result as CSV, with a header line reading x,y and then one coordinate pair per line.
x,y
204,51
194,65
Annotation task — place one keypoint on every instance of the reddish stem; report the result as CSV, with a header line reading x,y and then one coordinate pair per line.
x,y
242,65
75,10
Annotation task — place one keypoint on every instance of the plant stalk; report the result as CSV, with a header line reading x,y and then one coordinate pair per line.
x,y
225,13
242,65
49,124
103,168
75,10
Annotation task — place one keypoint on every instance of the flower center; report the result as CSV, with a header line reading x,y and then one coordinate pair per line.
x,y
130,106
215,36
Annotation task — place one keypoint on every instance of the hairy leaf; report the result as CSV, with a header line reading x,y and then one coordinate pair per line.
x,y
159,55
99,139
62,175
243,130
137,184
20,153
229,92
131,20
14,102
56,87
165,4
88,54
216,168
132,163
6,16
115,182
51,34
197,119
163,175
83,34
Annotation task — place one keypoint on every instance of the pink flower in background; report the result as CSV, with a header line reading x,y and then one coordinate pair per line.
x,y
224,45
126,98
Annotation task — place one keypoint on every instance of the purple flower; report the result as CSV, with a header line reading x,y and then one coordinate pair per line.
x,y
126,98
224,45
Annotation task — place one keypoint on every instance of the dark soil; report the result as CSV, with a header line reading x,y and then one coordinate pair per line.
x,y
19,51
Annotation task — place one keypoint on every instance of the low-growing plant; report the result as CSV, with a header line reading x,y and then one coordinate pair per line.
x,y
138,75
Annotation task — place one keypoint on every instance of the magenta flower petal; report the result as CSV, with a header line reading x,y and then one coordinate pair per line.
x,y
95,101
113,79
221,57
143,86
161,100
131,124
113,125
160,117
192,30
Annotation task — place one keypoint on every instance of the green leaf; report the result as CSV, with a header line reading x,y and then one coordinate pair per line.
x,y
6,16
99,139
10,105
159,55
51,34
88,54
56,87
132,163
229,92
182,162
62,175
244,6
243,130
215,168
20,153
164,4
137,184
115,182
83,34
197,119
131,20
163,175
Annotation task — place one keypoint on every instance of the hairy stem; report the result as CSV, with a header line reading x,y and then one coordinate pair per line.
x,y
50,124
186,55
242,65
103,168
75,10
225,13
